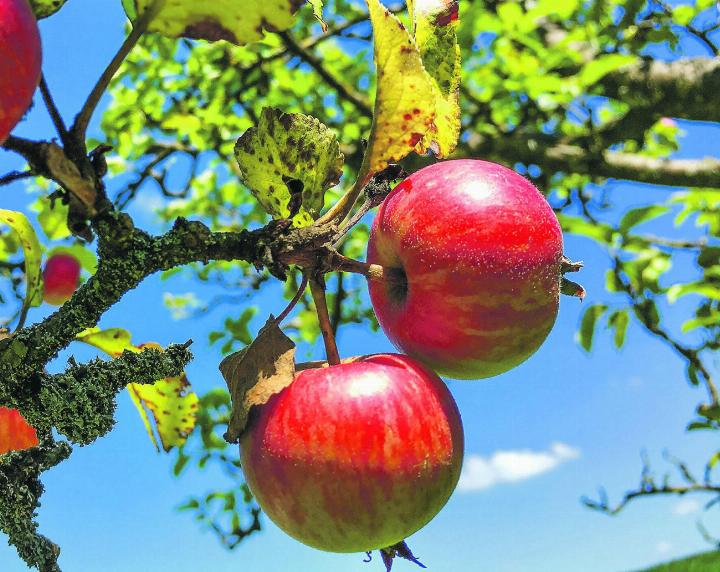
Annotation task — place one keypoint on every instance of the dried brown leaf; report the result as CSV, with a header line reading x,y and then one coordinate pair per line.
x,y
256,373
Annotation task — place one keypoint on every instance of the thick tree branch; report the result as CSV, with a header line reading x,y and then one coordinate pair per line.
x,y
553,156
20,491
686,88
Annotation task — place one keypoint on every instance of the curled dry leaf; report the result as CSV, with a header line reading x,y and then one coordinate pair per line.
x,y
256,373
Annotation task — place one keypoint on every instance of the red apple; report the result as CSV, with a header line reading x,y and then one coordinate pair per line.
x,y
61,278
357,456
20,60
480,250
15,433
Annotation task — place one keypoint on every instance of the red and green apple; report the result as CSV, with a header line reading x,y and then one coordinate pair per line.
x,y
20,61
356,456
479,250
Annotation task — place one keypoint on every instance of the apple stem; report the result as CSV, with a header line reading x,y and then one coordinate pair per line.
x,y
317,288
294,301
374,272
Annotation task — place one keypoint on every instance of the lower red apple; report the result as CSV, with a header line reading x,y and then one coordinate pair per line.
x,y
478,250
15,433
357,456
61,277
20,61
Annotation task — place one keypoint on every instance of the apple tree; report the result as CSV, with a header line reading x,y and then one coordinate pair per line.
x,y
269,131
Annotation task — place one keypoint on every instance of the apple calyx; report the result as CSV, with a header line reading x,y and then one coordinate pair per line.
x,y
399,550
568,287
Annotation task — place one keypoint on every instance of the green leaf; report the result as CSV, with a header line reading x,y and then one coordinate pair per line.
x,y
405,101
619,321
683,14
587,325
637,216
600,66
45,8
287,147
317,6
237,22
435,26
33,254
705,289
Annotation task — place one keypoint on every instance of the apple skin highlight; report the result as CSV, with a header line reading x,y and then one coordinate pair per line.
x,y
481,250
20,62
357,456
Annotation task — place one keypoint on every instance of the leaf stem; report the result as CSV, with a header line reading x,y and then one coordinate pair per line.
x,y
317,288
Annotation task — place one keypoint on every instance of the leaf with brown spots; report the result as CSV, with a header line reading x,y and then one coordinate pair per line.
x,y
237,22
286,150
33,255
435,26
15,433
173,408
405,100
256,373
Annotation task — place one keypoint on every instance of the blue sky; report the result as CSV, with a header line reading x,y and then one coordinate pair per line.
x,y
537,438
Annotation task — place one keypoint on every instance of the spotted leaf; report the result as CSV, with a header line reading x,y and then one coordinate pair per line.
x,y
435,26
237,22
405,100
289,157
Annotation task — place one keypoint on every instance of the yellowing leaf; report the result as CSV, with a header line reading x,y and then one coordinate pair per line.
x,y
317,6
256,373
435,26
113,341
31,248
232,20
405,102
173,408
287,149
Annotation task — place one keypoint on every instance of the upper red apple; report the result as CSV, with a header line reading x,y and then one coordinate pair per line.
x,y
15,433
61,277
20,61
480,250
357,456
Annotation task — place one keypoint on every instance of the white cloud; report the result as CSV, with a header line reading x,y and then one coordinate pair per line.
x,y
511,466
663,547
686,506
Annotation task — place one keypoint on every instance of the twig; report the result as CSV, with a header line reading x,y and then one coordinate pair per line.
x,y
79,128
294,301
54,112
16,176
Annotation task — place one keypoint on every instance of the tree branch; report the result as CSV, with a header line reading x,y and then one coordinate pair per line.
x,y
684,88
554,156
